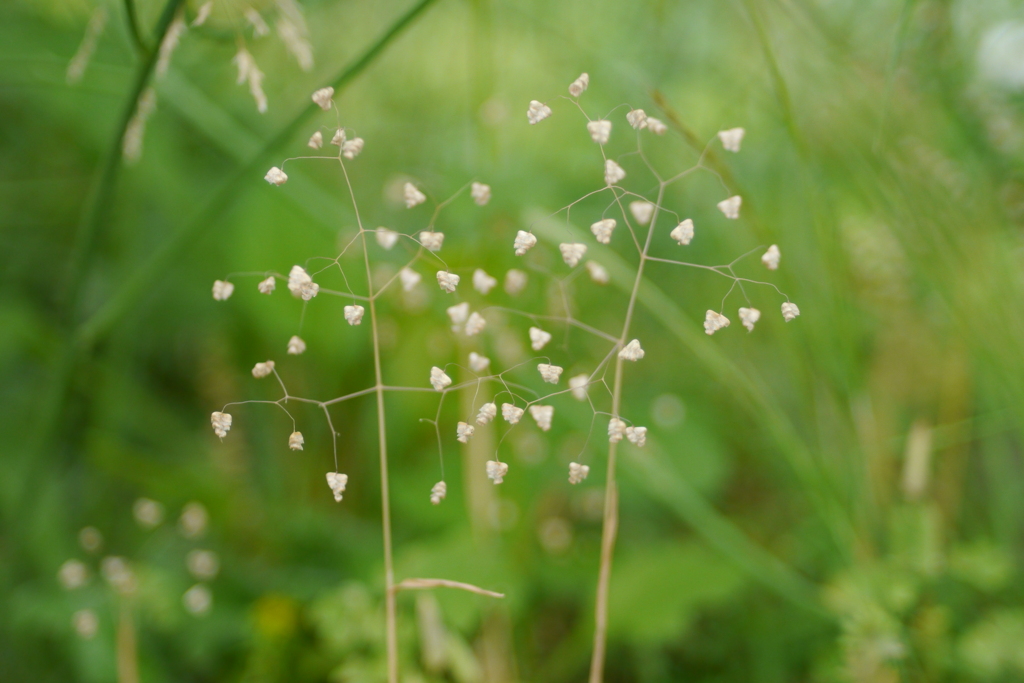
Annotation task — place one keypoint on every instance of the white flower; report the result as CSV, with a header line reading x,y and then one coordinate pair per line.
x,y
549,373
511,414
496,470
308,290
542,416
276,176
386,238
577,87
350,149
524,242
86,623
295,441
613,173
577,472
478,363
731,139
119,574
261,370
431,241
538,338
90,539
296,346
642,211
515,281
438,492
598,273
656,126
616,430
297,278
410,278
488,411
637,118
603,230
632,351
537,112
248,71
637,435
600,131
771,258
458,314
222,291
203,564
749,316
197,600
148,513
714,322
337,482
73,574
480,193
316,140
482,282
447,281
572,253
193,520
339,137
354,314
221,423
413,197
789,311
438,379
463,431
683,233
475,324
578,384
267,286
731,206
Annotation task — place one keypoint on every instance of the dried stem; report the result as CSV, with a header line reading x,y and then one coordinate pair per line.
x,y
127,652
424,584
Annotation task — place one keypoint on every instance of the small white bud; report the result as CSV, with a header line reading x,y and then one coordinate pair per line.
x,y
482,282
463,431
538,338
316,140
537,112
459,314
600,131
386,238
480,193
148,513
572,253
409,278
337,482
616,430
603,230
577,472
511,414
323,96
637,118
308,290
632,351
431,241
73,574
447,281
478,363
771,258
86,623
515,281
90,539
297,279
577,87
656,126
642,211
549,373
683,233
351,148
295,441
438,379
637,435
413,197
296,346
789,311
221,423
276,176
118,573
354,314
714,322
578,384
488,412
749,316
339,137
203,564
731,206
524,242
267,286
598,273
496,470
438,492
475,325
613,173
222,291
261,370
197,600
731,139
542,416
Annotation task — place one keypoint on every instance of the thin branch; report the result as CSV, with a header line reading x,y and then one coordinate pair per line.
x,y
426,584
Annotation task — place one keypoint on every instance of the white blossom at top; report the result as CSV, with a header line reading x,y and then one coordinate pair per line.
x,y
537,112
488,411
267,286
598,273
222,290
323,96
296,346
637,118
572,253
542,416
577,472
616,430
749,316
602,230
600,130
350,149
478,363
578,384
386,238
295,441
515,281
73,574
511,414
438,492
447,281
496,471
482,282
431,241
354,314
438,379
475,325
524,242
409,278
632,351
261,370
221,423
458,314
463,431
316,140
577,87
683,233
339,137
549,373
714,322
637,435
656,126
337,482
789,311
276,176
771,258
731,139
642,211
480,193
538,338
613,173
413,197
731,206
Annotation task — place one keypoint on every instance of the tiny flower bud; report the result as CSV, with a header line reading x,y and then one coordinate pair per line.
x,y
438,379
572,253
496,471
438,492
488,411
656,126
413,197
542,416
600,131
549,373
789,311
354,314
475,325
431,241
409,278
577,472
637,118
339,137
771,258
73,574
148,513
86,623
480,193
731,206
537,112
613,173
632,351
603,230
337,482
482,282
714,322
731,139
386,238
515,281
295,441
598,273
683,233
261,370
350,149
616,430
524,242
276,176
577,87
222,291
203,564
197,600
578,384
538,338
463,431
316,141
458,314
478,363
511,414
637,435
267,286
297,279
447,281
749,316
642,211
221,423
308,290
323,96
296,346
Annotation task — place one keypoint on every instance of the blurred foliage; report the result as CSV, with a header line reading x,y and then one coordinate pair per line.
x,y
836,499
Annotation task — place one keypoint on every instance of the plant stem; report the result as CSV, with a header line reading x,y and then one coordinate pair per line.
x,y
133,27
127,655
